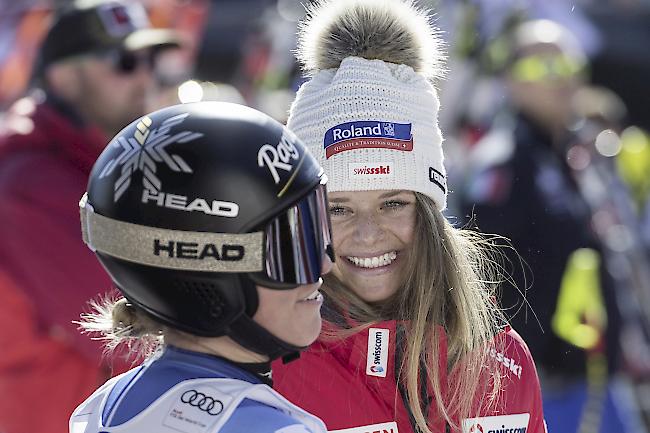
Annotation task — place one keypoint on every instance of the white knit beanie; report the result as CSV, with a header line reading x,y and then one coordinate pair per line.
x,y
369,112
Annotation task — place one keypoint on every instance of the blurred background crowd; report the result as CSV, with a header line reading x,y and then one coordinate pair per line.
x,y
544,113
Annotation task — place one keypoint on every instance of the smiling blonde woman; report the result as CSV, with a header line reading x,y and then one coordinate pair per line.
x,y
414,340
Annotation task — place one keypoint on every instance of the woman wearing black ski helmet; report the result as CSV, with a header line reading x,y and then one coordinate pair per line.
x,y
211,219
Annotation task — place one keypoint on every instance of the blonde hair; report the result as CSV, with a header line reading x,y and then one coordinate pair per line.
x,y
450,283
117,322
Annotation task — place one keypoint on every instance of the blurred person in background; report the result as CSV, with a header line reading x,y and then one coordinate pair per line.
x,y
633,164
610,161
92,77
173,68
521,186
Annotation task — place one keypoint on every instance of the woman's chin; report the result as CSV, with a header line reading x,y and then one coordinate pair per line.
x,y
370,284
374,293
307,334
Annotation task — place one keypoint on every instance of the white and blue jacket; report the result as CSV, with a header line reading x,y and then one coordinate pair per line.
x,y
188,392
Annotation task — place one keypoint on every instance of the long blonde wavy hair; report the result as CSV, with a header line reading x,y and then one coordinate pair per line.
x,y
450,283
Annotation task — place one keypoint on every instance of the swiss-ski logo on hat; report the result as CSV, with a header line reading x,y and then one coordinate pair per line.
x,y
374,170
368,134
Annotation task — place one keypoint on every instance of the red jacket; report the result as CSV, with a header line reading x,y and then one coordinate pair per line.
x,y
47,274
333,380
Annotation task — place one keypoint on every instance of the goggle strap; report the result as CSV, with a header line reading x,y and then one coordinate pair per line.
x,y
171,249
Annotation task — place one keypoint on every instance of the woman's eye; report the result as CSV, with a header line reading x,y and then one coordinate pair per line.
x,y
337,210
395,204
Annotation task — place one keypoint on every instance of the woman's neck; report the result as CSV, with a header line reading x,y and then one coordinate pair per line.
x,y
224,347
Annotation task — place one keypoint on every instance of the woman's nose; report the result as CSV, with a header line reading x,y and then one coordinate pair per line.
x,y
368,230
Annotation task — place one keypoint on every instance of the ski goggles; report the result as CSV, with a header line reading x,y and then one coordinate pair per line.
x,y
296,243
289,251
535,68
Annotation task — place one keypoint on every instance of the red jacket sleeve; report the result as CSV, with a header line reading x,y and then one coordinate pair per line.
x,y
35,360
519,402
43,250
522,390
47,275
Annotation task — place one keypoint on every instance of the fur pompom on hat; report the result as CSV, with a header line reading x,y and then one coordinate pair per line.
x,y
392,31
369,111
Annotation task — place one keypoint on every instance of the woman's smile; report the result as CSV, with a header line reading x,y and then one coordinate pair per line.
x,y
373,231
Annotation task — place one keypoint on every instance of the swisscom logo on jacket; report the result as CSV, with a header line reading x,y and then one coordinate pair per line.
x,y
377,362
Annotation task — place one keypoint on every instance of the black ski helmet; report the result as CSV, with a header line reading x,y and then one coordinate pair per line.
x,y
192,205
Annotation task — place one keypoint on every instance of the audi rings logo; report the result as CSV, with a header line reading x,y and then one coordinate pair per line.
x,y
203,402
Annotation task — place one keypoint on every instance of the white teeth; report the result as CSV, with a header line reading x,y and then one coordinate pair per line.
x,y
373,262
312,296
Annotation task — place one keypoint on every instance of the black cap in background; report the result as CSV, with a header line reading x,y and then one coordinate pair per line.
x,y
92,26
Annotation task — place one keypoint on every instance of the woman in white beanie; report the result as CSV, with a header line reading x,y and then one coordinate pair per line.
x,y
414,339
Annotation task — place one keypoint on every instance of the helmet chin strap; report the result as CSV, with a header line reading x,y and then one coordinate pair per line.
x,y
250,335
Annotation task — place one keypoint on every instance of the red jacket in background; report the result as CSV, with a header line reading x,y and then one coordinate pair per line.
x,y
334,380
47,274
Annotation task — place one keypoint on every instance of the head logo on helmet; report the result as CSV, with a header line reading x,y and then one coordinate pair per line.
x,y
145,150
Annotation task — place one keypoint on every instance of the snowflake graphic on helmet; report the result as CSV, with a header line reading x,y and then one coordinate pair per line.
x,y
145,150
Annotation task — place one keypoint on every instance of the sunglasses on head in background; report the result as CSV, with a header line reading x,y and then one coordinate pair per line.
x,y
537,68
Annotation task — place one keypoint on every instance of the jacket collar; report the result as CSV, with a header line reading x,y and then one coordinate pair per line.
x,y
50,129
357,349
